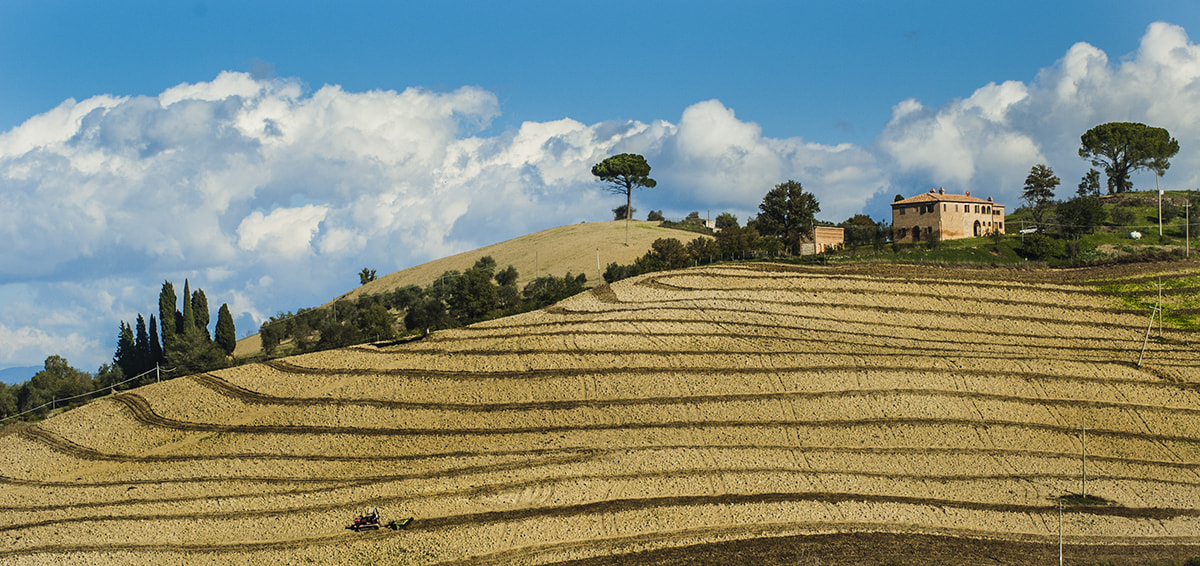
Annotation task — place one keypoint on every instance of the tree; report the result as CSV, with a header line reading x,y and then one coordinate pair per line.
x,y
621,212
506,277
1039,190
366,276
375,323
226,334
654,216
1082,214
623,173
141,347
486,264
166,314
665,253
736,242
703,250
200,312
188,326
126,354
1123,148
156,350
789,214
473,296
859,230
726,220
1089,185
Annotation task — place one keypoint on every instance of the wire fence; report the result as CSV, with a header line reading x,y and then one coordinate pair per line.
x,y
54,403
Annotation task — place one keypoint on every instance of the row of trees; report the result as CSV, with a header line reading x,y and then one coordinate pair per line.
x,y
453,299
56,380
185,346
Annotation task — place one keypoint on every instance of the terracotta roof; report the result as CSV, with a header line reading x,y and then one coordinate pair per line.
x,y
947,197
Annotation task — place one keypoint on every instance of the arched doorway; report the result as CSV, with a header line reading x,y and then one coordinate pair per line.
x,y
978,229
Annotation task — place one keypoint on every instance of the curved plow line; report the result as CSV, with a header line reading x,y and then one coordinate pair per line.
x,y
497,488
161,500
815,335
225,389
640,314
545,458
967,290
68,448
187,548
571,373
620,505
869,330
972,295
887,352
982,281
800,305
1161,380
962,347
142,411
600,452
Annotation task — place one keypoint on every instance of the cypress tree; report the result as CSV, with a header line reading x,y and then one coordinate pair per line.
x,y
200,312
141,346
166,314
226,335
189,314
156,351
124,355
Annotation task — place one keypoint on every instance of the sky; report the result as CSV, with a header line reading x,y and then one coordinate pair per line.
x,y
268,151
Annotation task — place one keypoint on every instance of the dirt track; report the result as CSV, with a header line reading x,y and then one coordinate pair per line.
x,y
720,415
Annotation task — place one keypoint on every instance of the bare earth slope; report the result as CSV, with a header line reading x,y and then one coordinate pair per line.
x,y
726,414
585,248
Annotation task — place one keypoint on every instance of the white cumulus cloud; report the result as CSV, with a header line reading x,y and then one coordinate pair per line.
x,y
271,196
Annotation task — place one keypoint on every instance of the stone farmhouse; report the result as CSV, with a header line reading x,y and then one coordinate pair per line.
x,y
951,216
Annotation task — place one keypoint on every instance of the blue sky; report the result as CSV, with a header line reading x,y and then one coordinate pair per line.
x,y
266,151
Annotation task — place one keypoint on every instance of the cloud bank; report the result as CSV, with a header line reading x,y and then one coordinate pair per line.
x,y
271,196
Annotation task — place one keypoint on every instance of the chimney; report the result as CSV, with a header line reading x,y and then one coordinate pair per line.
x,y
932,190
941,191
989,199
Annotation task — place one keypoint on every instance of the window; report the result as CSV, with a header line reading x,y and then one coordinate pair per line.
x,y
943,208
902,211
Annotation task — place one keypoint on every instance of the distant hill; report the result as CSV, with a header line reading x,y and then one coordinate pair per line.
x,y
575,248
13,376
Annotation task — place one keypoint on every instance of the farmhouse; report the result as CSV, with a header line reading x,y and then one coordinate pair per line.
x,y
951,216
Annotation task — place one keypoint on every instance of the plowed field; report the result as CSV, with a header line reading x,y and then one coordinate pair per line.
x,y
721,415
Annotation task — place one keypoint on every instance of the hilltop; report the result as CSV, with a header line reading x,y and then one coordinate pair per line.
x,y
771,414
587,248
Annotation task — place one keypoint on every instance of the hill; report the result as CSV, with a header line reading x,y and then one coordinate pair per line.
x,y
728,414
575,248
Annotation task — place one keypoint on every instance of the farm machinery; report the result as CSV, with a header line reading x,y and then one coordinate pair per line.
x,y
369,519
